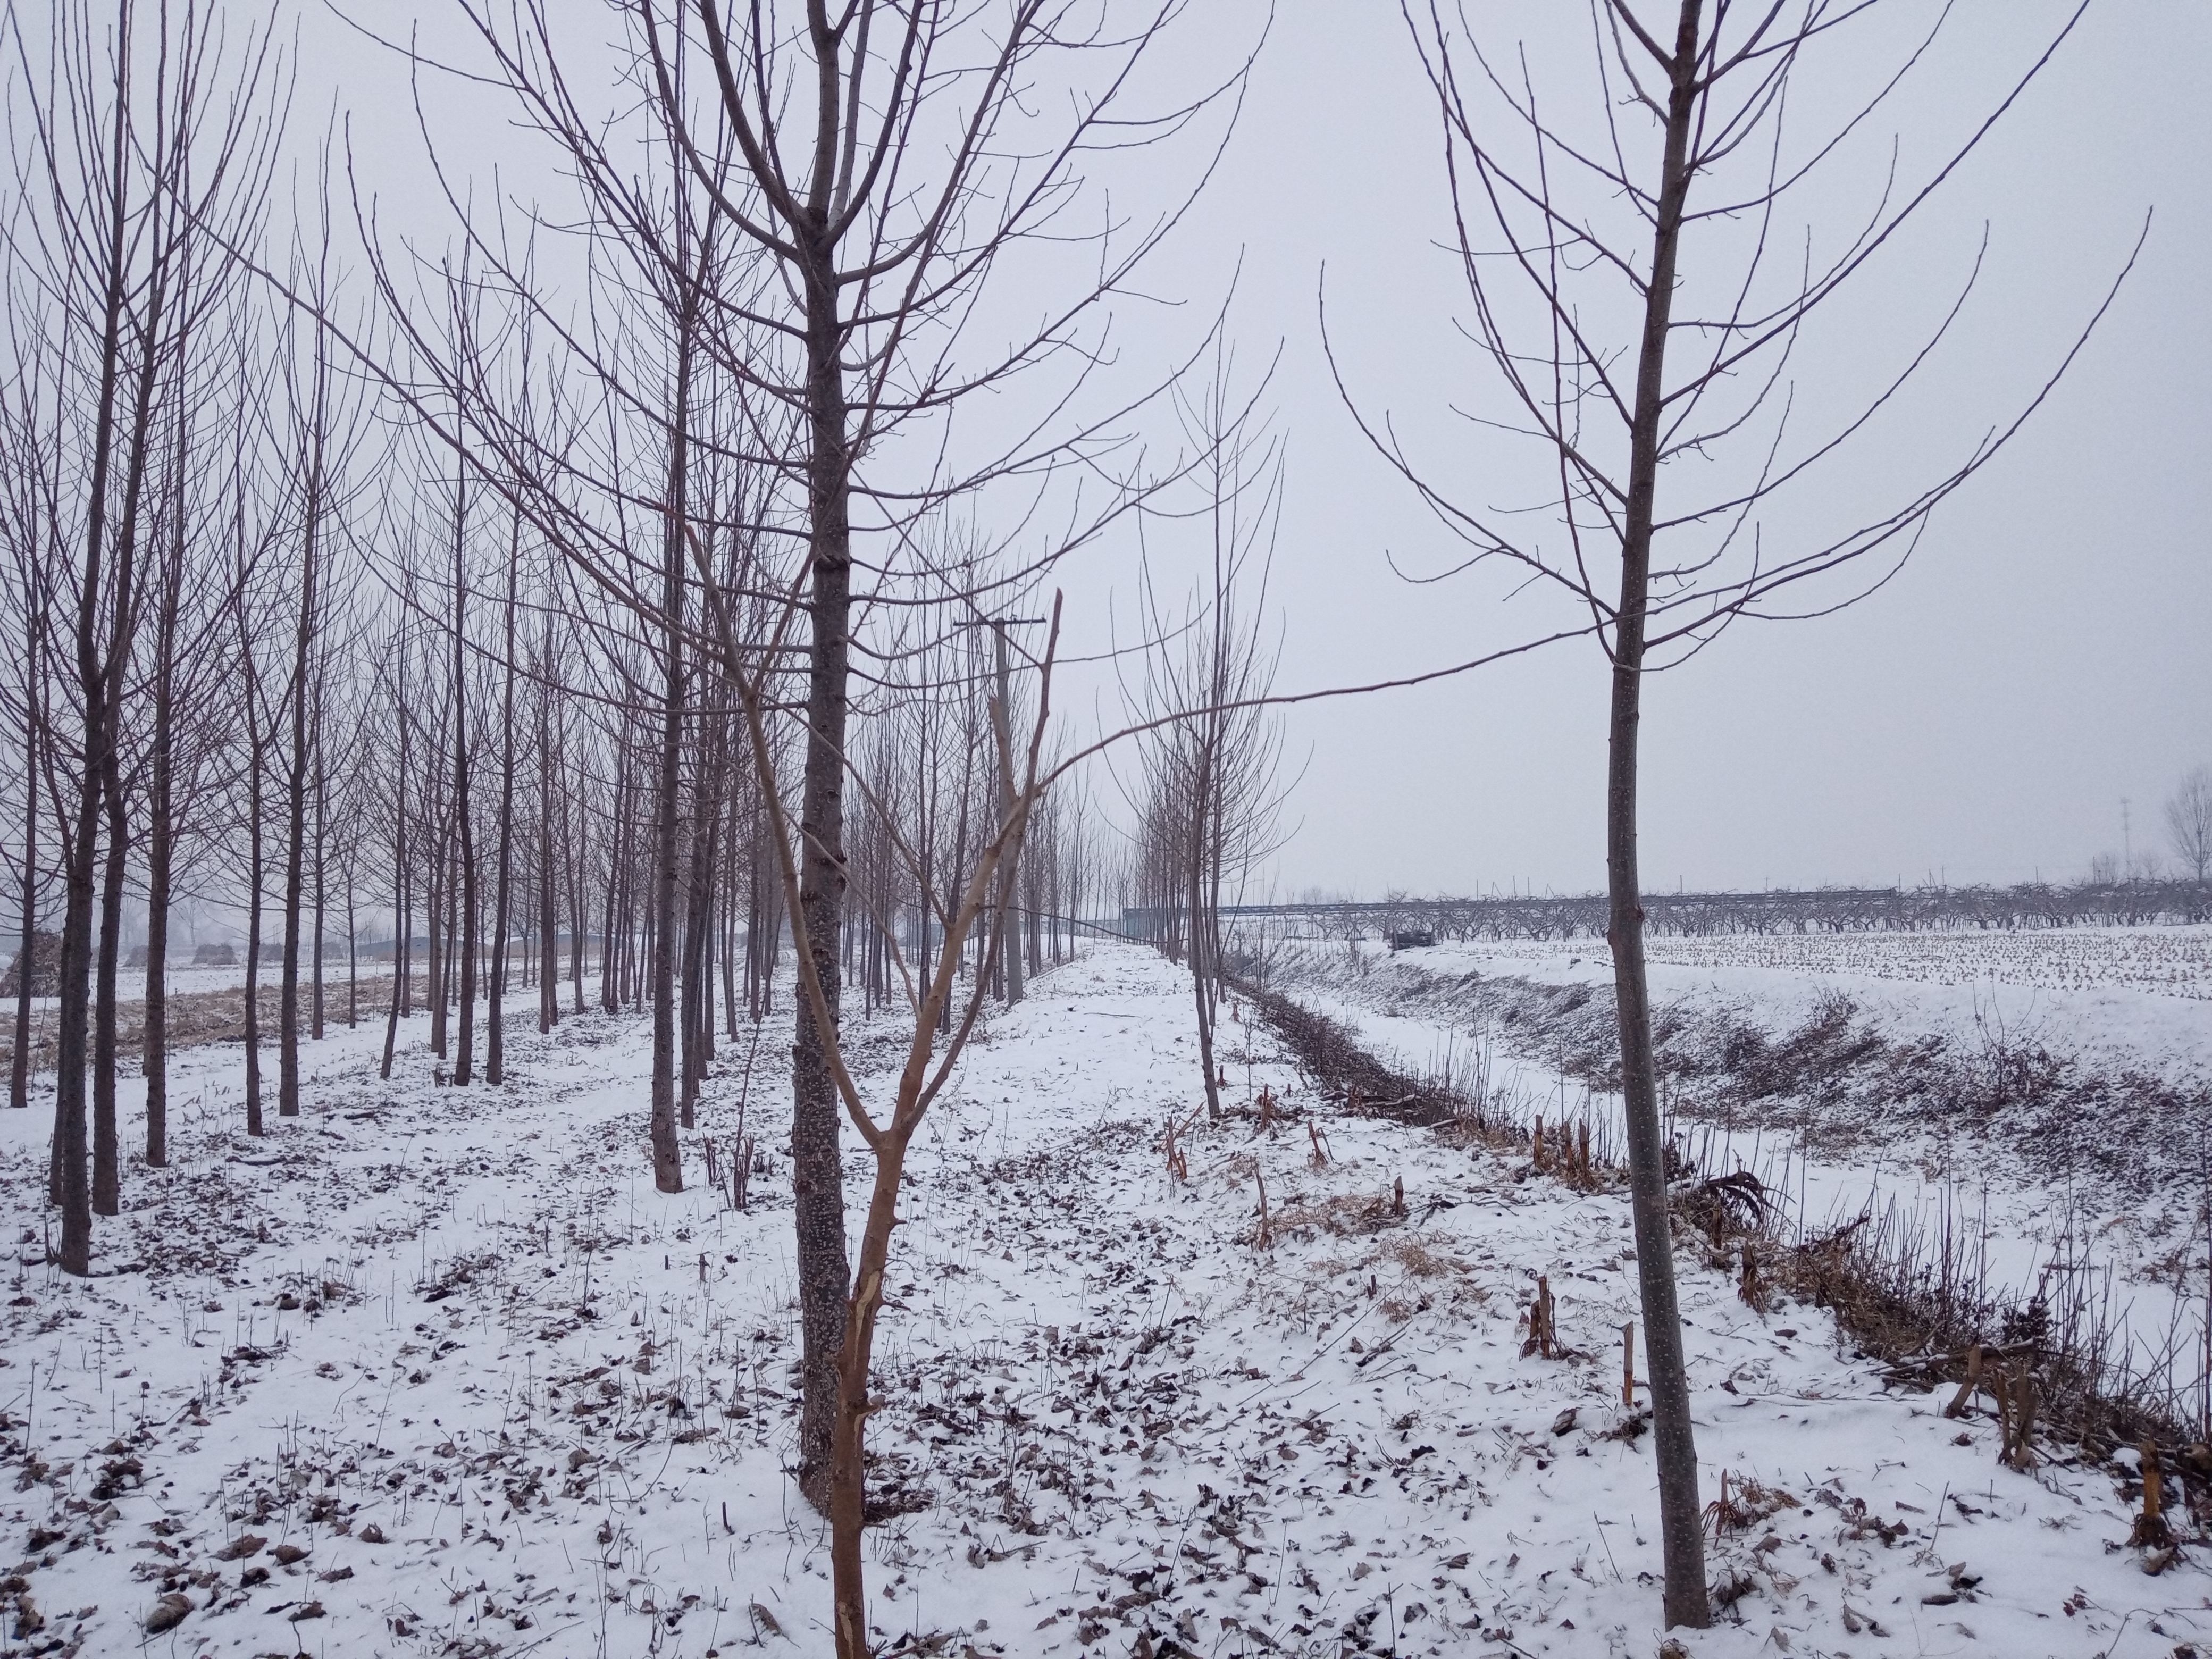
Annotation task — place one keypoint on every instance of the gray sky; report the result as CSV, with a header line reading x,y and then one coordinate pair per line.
x,y
2045,654
1982,717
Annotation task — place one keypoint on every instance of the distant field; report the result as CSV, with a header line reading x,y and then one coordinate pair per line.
x,y
197,1015
2175,962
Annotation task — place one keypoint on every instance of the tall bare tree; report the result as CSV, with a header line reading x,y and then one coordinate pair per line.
x,y
2188,821
1618,250
1211,794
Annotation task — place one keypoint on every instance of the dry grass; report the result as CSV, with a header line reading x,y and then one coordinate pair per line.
x,y
1347,1215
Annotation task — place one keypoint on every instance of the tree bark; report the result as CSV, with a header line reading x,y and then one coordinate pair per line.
x,y
698,1005
161,832
295,814
494,1011
549,946
817,1171
465,879
571,836
319,873
19,1069
253,1125
667,1163
1010,931
1202,790
434,941
403,927
107,1152
1680,1520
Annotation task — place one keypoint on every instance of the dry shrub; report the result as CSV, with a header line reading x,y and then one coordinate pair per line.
x,y
1748,1504
1725,1207
1420,1260
1347,1216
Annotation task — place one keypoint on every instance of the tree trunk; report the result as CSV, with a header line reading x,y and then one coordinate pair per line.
x,y
153,1050
296,825
72,1058
403,927
1010,930
817,1173
847,1483
1681,1520
106,1153
19,1070
549,946
353,951
495,1012
433,944
617,863
667,1165
698,931
322,892
74,985
463,829
574,860
1203,789
253,1125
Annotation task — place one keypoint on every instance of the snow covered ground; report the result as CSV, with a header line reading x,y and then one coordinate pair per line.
x,y
2140,996
183,979
435,1371
2032,1206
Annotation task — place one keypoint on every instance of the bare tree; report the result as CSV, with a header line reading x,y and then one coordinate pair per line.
x,y
1632,313
835,315
1211,796
191,658
29,525
315,451
2188,821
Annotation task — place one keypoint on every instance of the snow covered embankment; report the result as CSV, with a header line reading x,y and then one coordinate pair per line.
x,y
2058,1135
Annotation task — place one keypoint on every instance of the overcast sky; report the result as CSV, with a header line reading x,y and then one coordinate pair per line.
x,y
1982,718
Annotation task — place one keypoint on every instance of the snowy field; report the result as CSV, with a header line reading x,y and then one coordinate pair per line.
x,y
2139,995
2175,962
183,979
431,1372
2107,1002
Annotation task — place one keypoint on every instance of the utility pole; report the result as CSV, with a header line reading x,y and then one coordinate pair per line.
x,y
2127,843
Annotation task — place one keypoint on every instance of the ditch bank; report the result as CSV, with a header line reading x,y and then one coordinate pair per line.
x,y
1929,1316
1838,1081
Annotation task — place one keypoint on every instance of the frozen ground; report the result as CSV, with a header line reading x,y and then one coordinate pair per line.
x,y
431,1371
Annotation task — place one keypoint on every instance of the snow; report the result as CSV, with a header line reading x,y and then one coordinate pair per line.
x,y
528,1405
2135,995
2131,1254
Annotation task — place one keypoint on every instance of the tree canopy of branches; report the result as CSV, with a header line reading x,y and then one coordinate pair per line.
x,y
1637,292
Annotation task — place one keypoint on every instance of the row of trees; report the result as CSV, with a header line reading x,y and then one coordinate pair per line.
x,y
590,602
2028,906
669,561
